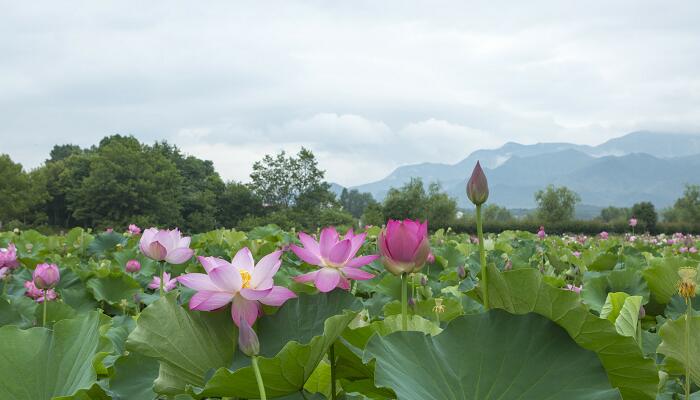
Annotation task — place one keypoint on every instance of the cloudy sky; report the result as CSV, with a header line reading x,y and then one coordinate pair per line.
x,y
367,85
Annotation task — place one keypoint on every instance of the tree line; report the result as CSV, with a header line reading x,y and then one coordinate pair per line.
x,y
121,181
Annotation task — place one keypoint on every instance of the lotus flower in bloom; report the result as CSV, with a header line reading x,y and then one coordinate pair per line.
x,y
604,235
478,186
168,284
37,294
246,285
133,266
168,245
404,246
335,256
541,234
633,222
46,276
8,257
576,254
134,230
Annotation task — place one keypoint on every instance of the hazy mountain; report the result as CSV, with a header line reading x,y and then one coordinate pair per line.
x,y
640,166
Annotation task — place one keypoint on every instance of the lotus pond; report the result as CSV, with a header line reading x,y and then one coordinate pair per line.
x,y
155,315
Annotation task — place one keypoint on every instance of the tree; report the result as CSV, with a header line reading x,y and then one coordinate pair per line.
x,y
63,151
410,201
610,214
236,203
355,202
556,204
14,187
373,215
686,208
496,213
442,209
280,181
646,215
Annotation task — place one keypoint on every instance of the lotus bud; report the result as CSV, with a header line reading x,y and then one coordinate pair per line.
x,y
247,339
478,186
404,246
431,258
133,266
541,233
604,235
46,276
508,266
642,312
423,280
461,272
633,222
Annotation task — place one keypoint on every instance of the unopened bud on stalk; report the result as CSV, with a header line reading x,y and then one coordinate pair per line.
x,y
461,272
248,339
478,186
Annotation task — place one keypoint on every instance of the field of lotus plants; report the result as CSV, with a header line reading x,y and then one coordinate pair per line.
x,y
378,313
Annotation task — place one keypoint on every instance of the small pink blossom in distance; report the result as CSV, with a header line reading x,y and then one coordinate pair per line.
x,y
683,250
541,233
633,222
109,230
577,254
671,241
133,266
693,250
241,282
336,258
8,257
168,284
604,235
4,272
573,288
431,257
134,230
168,245
632,238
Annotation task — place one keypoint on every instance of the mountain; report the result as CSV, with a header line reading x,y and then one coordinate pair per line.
x,y
640,166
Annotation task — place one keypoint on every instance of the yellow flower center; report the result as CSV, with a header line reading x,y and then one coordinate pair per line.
x,y
245,277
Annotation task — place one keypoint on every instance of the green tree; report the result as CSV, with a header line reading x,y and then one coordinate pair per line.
x,y
610,214
236,203
373,215
355,202
442,209
687,207
496,213
646,215
556,204
14,188
409,201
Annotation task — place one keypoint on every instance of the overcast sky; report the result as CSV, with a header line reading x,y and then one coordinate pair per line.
x,y
367,86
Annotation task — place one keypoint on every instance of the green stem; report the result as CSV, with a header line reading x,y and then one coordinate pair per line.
x,y
482,257
161,269
45,301
331,358
258,378
687,349
404,301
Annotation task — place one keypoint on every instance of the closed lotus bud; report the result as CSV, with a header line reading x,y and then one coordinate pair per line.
x,y
46,276
478,186
133,266
423,280
461,272
431,258
411,302
404,246
642,312
247,339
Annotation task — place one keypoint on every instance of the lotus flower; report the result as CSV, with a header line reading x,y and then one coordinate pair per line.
x,y
168,245
168,284
134,229
335,256
8,257
247,339
541,234
246,285
693,250
478,186
574,288
133,266
604,235
46,276
404,246
633,222
37,294
576,254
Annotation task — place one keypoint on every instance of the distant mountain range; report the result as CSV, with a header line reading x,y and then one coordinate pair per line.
x,y
639,166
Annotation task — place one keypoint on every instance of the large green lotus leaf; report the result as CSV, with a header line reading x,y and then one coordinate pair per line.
x,y
114,288
55,311
133,378
596,286
674,347
106,243
188,344
495,355
604,262
662,277
292,344
40,364
523,291
424,308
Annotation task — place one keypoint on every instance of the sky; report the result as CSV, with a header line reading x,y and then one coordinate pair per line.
x,y
367,85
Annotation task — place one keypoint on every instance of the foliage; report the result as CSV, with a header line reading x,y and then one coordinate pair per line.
x,y
556,203
645,213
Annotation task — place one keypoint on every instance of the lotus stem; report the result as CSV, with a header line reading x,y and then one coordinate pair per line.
x,y
687,348
404,301
482,257
161,269
45,301
331,358
258,378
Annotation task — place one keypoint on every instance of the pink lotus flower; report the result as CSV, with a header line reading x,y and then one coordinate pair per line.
x,y
46,276
693,250
573,288
541,234
478,186
246,285
8,257
168,284
134,230
168,245
633,222
577,254
431,257
336,258
683,249
109,230
4,272
133,266
37,294
604,235
404,246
